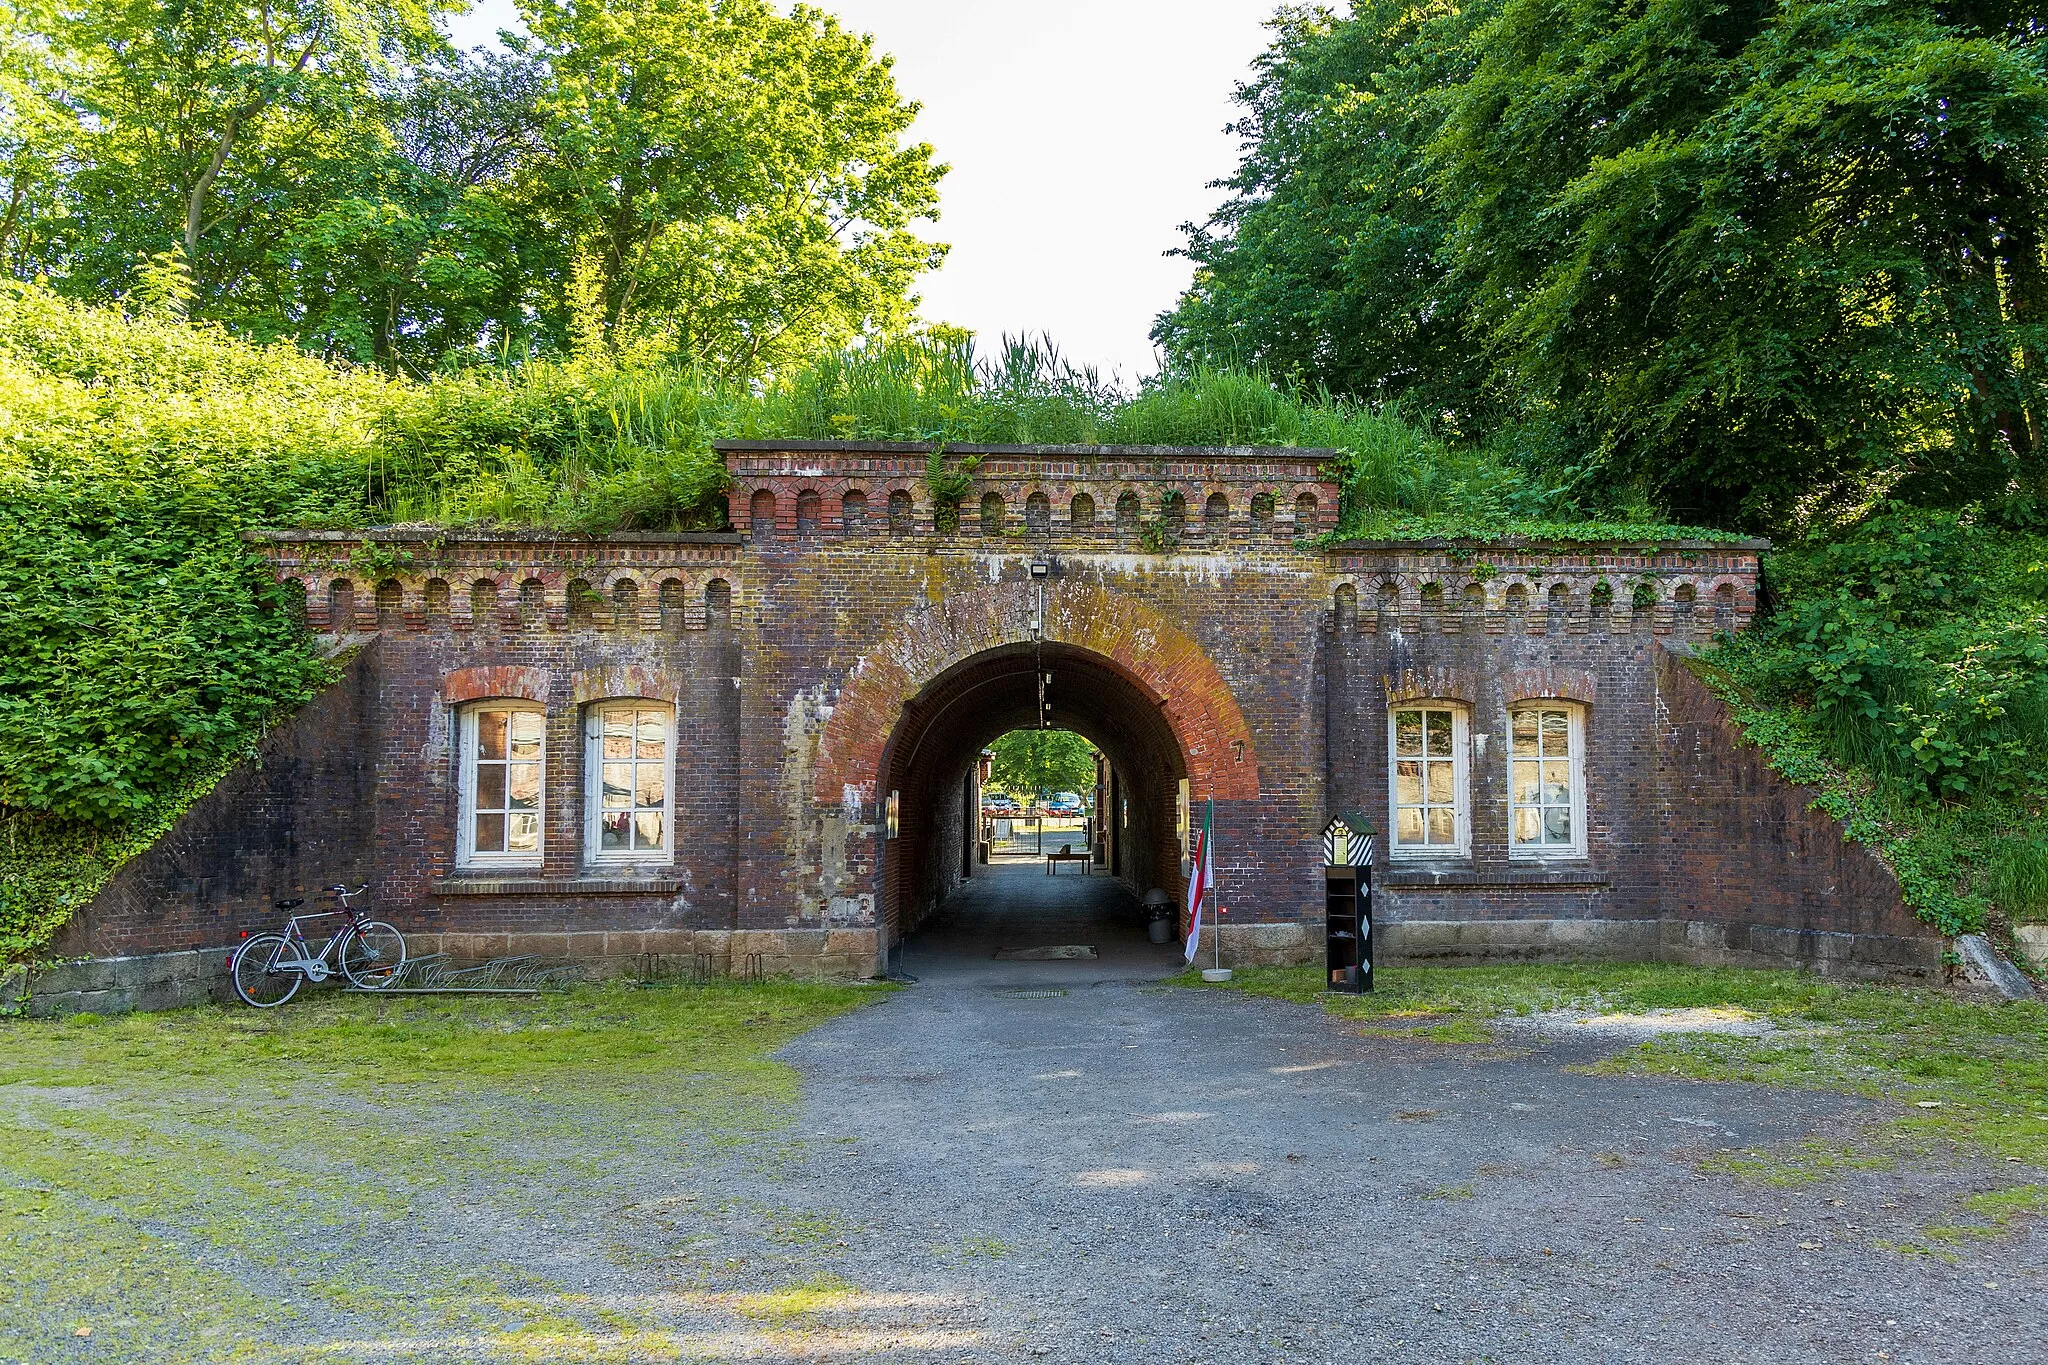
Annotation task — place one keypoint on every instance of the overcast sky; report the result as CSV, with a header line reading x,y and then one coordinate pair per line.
x,y
1081,135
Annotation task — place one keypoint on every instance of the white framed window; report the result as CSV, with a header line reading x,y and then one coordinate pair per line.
x,y
631,763
1427,780
1546,780
504,760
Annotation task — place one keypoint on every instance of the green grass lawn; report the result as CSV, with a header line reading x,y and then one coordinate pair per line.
x,y
1971,1073
204,1184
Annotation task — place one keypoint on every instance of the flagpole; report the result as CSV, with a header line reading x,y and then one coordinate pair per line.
x,y
1209,881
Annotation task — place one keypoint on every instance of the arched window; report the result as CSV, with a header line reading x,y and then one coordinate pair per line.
x,y
1038,514
718,602
1475,600
503,770
1173,515
1390,605
390,604
1724,607
1127,512
631,770
1546,788
671,600
853,513
437,601
992,514
483,604
1561,599
341,606
533,604
1602,599
1427,783
902,514
1432,599
1518,599
1347,607
761,514
1262,514
626,605
1081,513
1305,515
583,603
808,513
1216,519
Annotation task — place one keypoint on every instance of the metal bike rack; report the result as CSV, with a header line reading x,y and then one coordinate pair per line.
x,y
437,974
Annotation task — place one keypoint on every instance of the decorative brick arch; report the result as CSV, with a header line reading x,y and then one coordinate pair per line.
x,y
1143,645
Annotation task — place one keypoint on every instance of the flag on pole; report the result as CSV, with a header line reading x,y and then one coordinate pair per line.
x,y
1201,876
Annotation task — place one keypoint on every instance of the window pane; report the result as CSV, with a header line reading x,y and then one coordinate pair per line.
x,y
1524,728
1408,825
490,734
617,782
653,735
1557,825
647,829
617,746
1526,785
524,784
612,830
1556,734
490,786
1438,733
1442,787
650,791
1408,733
522,834
1557,782
1528,825
1408,783
619,723
1442,826
526,734
490,833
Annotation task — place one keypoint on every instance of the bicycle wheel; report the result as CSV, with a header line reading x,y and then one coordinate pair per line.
x,y
372,955
257,981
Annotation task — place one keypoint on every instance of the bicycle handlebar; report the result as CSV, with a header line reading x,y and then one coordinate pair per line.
x,y
341,890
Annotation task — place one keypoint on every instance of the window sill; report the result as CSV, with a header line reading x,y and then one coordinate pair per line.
x,y
1531,877
477,884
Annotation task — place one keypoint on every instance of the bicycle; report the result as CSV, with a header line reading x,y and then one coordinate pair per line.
x,y
268,969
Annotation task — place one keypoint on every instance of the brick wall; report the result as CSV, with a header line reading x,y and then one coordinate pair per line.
x,y
298,817
838,647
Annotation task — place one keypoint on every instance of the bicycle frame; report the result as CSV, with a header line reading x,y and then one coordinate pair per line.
x,y
313,966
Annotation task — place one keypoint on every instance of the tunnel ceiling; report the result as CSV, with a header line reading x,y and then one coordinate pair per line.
x,y
996,692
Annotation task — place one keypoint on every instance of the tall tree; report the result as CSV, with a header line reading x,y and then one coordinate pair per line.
x,y
1748,260
734,179
1042,762
213,125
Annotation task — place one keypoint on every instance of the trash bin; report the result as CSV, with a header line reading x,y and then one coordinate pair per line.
x,y
1158,916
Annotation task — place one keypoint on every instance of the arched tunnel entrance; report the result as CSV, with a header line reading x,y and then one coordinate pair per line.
x,y
930,767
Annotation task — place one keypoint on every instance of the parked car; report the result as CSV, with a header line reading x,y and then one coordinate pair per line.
x,y
1066,803
1000,805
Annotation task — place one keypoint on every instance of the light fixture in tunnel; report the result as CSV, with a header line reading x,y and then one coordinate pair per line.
x,y
1040,568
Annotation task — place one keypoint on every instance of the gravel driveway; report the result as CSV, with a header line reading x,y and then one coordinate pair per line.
x,y
1160,1173
1059,1160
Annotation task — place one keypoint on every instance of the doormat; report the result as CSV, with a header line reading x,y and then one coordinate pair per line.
x,y
1064,951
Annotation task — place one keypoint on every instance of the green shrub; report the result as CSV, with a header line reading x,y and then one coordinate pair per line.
x,y
2019,879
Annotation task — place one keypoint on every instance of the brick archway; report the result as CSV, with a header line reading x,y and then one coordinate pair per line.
x,y
1140,644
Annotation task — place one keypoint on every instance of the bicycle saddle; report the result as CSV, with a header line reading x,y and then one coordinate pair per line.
x,y
291,905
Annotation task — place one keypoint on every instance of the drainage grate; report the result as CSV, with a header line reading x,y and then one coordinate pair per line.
x,y
1034,995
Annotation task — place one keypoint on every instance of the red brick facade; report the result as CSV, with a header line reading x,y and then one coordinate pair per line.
x,y
838,648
